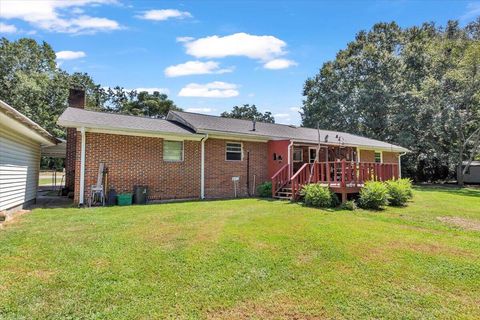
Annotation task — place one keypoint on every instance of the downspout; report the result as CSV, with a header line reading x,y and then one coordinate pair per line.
x,y
290,167
82,168
202,167
400,164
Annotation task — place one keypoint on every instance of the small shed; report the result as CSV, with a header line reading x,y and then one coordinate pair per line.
x,y
473,173
21,142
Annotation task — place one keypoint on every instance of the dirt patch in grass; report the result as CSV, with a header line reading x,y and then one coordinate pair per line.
x,y
272,309
41,274
12,219
386,251
464,223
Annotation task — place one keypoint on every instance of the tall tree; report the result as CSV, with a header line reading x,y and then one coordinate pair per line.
x,y
31,82
154,105
406,86
249,112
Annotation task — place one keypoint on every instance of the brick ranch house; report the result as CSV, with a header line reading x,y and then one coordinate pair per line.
x,y
189,155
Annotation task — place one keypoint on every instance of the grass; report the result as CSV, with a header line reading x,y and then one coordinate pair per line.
x,y
247,258
47,181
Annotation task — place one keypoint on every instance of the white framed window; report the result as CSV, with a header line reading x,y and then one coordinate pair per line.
x,y
378,157
172,150
234,151
297,154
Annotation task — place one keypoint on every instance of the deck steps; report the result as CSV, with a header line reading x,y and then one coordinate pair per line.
x,y
284,193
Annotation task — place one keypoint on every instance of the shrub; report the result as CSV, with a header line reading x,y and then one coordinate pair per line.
x,y
349,205
374,195
399,191
316,195
407,183
265,190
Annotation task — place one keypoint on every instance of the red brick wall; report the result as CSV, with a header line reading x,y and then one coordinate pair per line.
x,y
76,99
219,172
390,157
70,158
134,161
367,156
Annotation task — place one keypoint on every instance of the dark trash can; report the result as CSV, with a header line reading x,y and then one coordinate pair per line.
x,y
140,194
112,197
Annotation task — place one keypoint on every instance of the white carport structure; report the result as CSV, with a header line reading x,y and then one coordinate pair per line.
x,y
21,142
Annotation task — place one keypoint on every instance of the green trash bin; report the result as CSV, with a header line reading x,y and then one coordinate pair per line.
x,y
124,199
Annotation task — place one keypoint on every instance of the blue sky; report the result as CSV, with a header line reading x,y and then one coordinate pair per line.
x,y
211,55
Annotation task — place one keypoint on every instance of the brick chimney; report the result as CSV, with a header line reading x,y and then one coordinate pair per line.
x,y
76,99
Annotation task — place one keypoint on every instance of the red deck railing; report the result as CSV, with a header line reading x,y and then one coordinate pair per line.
x,y
342,174
280,179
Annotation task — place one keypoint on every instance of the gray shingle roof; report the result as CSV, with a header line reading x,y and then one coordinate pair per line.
x,y
202,122
75,117
187,123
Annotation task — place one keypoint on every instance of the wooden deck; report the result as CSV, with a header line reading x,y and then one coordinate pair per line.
x,y
343,177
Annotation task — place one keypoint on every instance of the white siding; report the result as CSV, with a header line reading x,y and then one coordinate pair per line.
x,y
19,168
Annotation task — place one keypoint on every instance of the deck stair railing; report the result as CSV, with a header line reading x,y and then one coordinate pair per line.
x,y
342,174
280,179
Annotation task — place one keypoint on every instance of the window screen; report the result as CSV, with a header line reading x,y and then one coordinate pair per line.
x,y
233,151
297,155
173,150
378,157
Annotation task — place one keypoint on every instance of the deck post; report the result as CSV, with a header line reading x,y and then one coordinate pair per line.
x,y
343,173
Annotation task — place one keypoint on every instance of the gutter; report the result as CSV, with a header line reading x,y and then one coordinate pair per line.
x,y
400,164
290,167
81,199
202,167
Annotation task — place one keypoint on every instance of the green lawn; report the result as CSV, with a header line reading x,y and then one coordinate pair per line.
x,y
244,259
48,180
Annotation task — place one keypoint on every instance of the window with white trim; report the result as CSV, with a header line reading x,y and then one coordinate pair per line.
x,y
233,151
172,150
378,157
297,155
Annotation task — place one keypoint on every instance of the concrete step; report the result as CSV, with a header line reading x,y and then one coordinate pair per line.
x,y
283,197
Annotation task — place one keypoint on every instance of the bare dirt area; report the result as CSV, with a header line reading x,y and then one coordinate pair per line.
x,y
464,223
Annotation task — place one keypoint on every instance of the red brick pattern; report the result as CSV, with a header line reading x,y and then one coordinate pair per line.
x,y
133,160
390,157
70,158
219,171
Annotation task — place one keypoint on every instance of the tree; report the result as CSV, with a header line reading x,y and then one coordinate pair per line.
x,y
248,112
31,82
155,105
405,86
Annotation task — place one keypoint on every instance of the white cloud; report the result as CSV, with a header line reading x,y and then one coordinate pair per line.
x,y
473,10
164,14
281,115
70,55
200,110
295,109
216,89
184,39
7,28
279,64
195,67
239,44
58,16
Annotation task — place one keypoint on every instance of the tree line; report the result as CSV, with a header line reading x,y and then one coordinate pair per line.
x,y
418,87
33,83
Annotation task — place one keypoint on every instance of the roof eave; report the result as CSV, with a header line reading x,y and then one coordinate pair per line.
x,y
117,130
